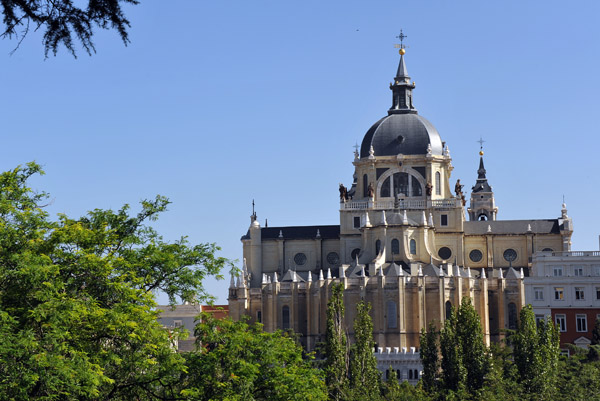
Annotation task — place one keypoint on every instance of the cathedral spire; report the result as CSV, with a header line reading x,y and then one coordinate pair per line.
x,y
482,205
402,88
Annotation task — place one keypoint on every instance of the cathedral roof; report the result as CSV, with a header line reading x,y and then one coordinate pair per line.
x,y
431,270
482,183
409,134
512,274
550,226
298,232
402,130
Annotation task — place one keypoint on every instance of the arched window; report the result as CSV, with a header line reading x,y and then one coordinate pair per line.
x,y
512,316
386,191
377,247
448,309
365,186
438,183
395,247
400,183
413,247
285,317
392,319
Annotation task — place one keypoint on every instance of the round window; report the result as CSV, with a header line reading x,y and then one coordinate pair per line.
x,y
445,253
475,255
333,258
300,259
510,255
355,253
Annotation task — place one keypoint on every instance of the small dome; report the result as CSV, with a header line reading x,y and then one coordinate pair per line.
x,y
407,133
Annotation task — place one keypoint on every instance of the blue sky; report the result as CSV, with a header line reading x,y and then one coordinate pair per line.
x,y
214,104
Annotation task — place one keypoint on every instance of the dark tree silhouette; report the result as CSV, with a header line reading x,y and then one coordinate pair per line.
x,y
63,22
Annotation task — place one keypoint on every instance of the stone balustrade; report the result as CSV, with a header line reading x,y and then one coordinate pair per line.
x,y
404,204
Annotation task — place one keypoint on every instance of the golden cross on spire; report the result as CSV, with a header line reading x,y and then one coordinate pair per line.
x,y
401,37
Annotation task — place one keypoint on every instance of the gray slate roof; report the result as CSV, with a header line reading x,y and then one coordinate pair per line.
x,y
408,134
299,232
550,226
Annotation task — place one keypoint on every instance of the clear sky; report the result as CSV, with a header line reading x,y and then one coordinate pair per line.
x,y
216,103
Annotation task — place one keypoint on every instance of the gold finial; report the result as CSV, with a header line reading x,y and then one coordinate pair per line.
x,y
402,52
481,141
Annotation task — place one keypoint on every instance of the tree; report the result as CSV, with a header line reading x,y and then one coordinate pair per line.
x,y
366,379
472,345
429,357
465,362
596,333
536,352
336,346
77,311
453,370
392,390
237,361
64,22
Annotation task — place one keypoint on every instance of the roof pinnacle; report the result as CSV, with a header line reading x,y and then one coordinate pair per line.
x,y
402,87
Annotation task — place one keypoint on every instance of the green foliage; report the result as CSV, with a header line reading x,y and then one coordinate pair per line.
x,y
465,362
429,357
77,313
391,389
596,333
365,377
64,20
577,378
395,391
237,361
536,351
453,370
336,346
472,345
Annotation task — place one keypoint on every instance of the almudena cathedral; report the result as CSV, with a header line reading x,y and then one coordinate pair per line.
x,y
407,243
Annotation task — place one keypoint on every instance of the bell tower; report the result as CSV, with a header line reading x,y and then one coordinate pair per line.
x,y
482,205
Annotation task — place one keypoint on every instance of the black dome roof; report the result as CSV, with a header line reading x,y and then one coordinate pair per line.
x,y
407,133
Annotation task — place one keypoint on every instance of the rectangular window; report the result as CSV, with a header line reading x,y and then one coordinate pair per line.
x,y
392,321
538,293
579,293
578,271
559,293
444,219
539,319
177,323
581,323
597,292
564,352
356,221
558,271
259,316
561,322
596,270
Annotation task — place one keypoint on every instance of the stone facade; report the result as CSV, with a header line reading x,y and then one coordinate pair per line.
x,y
404,244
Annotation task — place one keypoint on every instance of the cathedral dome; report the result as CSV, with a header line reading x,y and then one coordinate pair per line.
x,y
408,133
403,130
